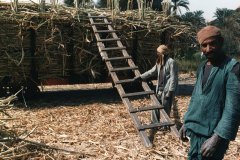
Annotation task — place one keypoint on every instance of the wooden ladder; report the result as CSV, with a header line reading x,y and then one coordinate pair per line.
x,y
99,21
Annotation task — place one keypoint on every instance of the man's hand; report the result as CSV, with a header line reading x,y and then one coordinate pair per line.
x,y
210,145
169,94
137,79
182,133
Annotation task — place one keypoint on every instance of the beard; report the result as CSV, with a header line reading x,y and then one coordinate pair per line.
x,y
209,55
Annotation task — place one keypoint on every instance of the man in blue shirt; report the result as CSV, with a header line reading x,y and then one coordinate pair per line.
x,y
213,115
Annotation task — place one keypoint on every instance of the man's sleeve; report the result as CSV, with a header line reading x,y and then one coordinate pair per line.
x,y
173,76
149,73
227,127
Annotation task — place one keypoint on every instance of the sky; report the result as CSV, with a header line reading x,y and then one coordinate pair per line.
x,y
209,6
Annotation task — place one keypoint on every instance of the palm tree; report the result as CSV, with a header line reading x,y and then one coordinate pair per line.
x,y
227,20
177,4
223,17
195,18
69,3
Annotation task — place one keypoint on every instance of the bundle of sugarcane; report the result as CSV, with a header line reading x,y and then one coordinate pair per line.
x,y
52,46
64,43
14,48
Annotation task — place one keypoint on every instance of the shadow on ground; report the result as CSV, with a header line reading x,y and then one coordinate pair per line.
x,y
85,96
73,97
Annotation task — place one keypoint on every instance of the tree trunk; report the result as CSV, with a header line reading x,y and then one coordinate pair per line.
x,y
109,4
83,3
141,8
166,6
53,3
76,2
15,6
128,4
116,6
42,6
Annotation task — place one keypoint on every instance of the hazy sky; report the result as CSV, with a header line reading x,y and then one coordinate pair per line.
x,y
209,6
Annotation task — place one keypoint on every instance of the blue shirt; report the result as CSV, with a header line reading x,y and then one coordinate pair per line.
x,y
215,107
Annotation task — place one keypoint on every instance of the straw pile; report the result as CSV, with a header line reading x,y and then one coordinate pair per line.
x,y
59,43
94,125
13,137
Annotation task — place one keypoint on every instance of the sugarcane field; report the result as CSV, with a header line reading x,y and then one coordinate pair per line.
x,y
119,79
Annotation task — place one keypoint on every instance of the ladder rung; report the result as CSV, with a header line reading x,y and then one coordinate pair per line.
x,y
137,94
113,38
155,125
117,58
148,108
109,39
112,48
101,23
105,31
123,69
125,81
97,16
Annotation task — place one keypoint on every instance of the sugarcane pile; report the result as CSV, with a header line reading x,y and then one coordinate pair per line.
x,y
59,43
142,36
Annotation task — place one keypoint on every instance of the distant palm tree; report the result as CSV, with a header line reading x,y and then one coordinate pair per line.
x,y
228,21
223,17
195,18
177,4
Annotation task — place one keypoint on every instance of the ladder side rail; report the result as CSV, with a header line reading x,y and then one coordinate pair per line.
x,y
135,119
99,44
127,103
163,114
119,43
121,91
130,61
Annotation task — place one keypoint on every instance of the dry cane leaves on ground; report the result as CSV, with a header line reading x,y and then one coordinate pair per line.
x,y
92,129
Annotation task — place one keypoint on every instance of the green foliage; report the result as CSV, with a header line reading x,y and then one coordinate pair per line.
x,y
101,3
195,18
223,16
177,4
69,3
191,63
229,23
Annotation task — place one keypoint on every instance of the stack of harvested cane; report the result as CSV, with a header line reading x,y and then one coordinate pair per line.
x,y
59,43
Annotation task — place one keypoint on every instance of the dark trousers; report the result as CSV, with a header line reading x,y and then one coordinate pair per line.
x,y
167,104
196,142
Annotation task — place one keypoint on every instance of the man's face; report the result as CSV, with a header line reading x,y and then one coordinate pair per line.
x,y
159,54
211,48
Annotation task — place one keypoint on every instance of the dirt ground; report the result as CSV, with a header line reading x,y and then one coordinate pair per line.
x,y
92,121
